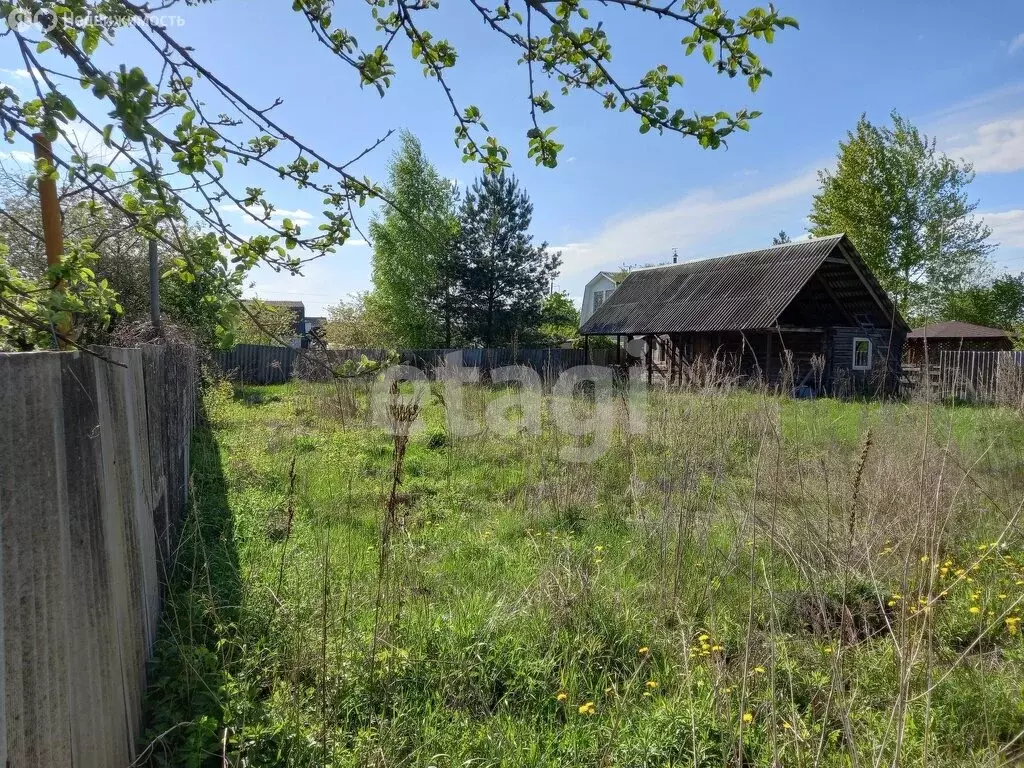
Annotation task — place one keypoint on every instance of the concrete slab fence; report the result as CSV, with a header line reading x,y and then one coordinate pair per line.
x,y
93,484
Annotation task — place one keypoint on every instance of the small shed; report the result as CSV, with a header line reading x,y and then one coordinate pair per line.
x,y
810,310
954,336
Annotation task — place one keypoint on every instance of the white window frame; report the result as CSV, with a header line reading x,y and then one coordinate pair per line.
x,y
857,340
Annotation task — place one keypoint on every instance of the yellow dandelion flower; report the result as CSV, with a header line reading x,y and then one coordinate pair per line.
x,y
1002,596
717,648
924,558
652,684
787,726
588,708
760,670
562,696
748,717
975,609
644,651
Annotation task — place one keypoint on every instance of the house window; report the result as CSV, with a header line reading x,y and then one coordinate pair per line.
x,y
862,354
600,297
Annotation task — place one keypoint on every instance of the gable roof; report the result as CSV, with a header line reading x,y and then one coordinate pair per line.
x,y
741,291
957,330
608,275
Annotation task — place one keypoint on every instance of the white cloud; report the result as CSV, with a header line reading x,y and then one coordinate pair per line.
x,y
987,129
1007,227
993,147
1017,44
82,139
22,73
694,224
298,216
18,156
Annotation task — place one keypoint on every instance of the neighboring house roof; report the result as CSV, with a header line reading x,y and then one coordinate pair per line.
x,y
316,322
957,330
741,291
289,304
610,276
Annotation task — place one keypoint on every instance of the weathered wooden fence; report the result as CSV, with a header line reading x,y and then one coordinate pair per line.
x,y
93,481
252,364
973,376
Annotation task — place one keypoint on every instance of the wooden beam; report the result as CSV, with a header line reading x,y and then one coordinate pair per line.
x,y
832,295
874,294
53,236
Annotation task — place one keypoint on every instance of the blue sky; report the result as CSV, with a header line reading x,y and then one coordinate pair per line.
x,y
617,196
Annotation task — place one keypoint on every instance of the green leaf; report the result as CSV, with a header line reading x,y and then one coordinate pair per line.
x,y
91,40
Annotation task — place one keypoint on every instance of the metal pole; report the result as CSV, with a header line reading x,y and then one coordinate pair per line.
x,y
154,285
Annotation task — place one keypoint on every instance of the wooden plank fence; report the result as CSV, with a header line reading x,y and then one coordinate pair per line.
x,y
971,376
253,364
93,481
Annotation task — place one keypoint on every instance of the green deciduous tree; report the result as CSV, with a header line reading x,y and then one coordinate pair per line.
x,y
905,206
199,287
198,284
412,252
172,133
559,319
996,304
263,323
503,276
354,323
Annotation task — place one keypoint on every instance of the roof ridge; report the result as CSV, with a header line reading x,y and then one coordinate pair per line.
x,y
741,253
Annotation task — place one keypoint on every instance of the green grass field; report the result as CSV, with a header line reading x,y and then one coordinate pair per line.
x,y
755,581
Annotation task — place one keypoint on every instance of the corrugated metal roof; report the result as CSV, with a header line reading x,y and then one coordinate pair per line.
x,y
957,330
728,293
280,303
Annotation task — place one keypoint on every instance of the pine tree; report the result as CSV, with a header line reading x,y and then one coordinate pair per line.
x,y
503,276
412,252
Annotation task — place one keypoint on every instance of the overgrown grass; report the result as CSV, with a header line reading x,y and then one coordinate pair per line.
x,y
755,581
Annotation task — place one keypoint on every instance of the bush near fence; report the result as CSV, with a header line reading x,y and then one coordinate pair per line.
x,y
94,455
